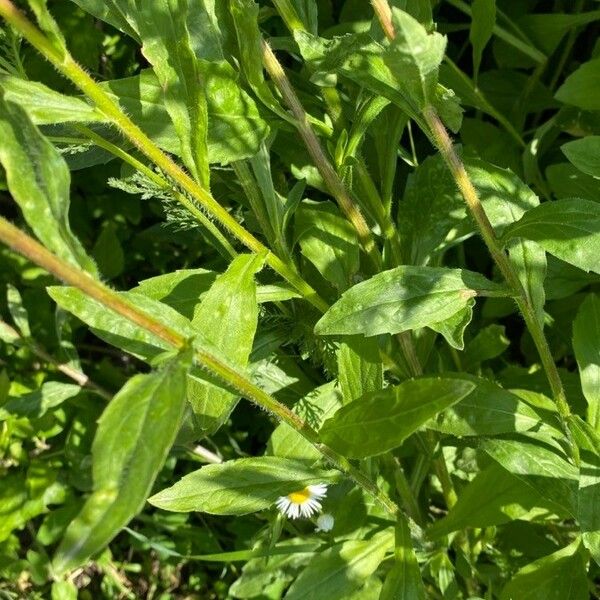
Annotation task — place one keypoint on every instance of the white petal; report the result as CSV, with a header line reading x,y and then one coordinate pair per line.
x,y
318,491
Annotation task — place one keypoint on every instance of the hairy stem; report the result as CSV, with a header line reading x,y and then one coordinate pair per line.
x,y
29,248
65,63
332,180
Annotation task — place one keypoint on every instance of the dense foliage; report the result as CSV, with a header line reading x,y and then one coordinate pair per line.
x,y
280,336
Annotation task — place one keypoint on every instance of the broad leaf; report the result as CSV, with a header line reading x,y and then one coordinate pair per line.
x,y
359,367
487,410
380,421
161,25
39,181
134,436
579,89
404,298
540,467
560,576
569,229
494,497
583,153
241,486
35,404
343,568
586,343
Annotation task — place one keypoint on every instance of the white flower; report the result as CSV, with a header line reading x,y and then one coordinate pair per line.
x,y
303,503
325,523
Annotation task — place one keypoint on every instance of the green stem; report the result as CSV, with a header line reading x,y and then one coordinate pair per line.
x,y
66,65
29,248
222,242
332,180
79,377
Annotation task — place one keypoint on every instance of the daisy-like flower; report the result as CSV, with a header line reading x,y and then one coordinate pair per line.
x,y
303,503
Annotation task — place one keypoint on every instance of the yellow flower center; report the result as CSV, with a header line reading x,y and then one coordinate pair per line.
x,y
299,497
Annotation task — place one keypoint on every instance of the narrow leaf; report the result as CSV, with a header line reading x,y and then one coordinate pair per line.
x,y
134,436
39,180
586,343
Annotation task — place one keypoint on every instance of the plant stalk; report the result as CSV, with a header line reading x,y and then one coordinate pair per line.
x,y
31,249
332,180
66,65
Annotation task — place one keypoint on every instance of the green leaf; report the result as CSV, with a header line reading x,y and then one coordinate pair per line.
x,y
404,578
39,180
231,302
134,435
17,310
37,403
380,421
116,329
588,441
414,58
403,298
328,241
540,467
108,252
569,229
579,89
359,368
583,153
483,19
314,408
453,328
343,568
44,105
493,497
559,576
235,128
162,27
586,343
488,343
240,487
487,410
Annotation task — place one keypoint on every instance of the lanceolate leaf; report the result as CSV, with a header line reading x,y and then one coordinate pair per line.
x,y
162,27
586,343
359,368
44,105
494,497
134,436
540,467
227,317
569,229
239,487
381,421
559,576
39,181
414,58
404,579
404,298
235,128
583,153
342,569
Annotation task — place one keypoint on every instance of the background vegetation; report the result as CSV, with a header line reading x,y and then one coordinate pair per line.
x,y
288,223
